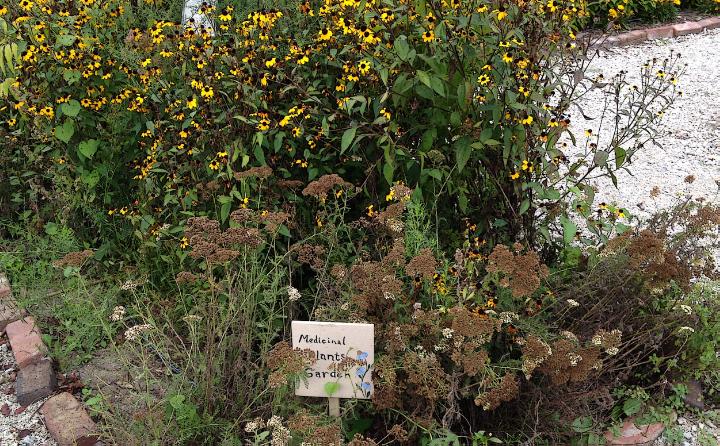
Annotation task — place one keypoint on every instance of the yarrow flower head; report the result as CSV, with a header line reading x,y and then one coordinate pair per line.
x,y
293,294
118,313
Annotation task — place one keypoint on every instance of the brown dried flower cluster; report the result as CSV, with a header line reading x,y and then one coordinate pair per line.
x,y
469,325
387,389
398,433
426,378
313,255
284,362
570,363
255,172
210,243
184,277
424,265
471,357
359,440
534,352
313,430
74,259
323,185
522,272
507,390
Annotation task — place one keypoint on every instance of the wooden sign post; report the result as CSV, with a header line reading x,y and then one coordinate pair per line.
x,y
345,354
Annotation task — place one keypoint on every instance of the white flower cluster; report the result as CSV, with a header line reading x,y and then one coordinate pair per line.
x,y
133,333
293,294
685,309
448,333
573,303
130,285
117,314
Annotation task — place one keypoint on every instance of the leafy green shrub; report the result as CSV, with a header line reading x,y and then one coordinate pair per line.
x,y
466,101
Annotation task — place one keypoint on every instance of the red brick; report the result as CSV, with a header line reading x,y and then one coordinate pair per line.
x,y
632,37
25,341
67,421
631,434
711,23
683,29
35,382
9,312
4,286
661,32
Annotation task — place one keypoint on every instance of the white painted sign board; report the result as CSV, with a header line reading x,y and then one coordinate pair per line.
x,y
332,343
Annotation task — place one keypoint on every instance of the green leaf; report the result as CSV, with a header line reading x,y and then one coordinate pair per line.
x,y
632,406
524,206
66,39
569,229
438,86
424,78
463,149
332,388
401,47
600,158
65,132
582,424
71,108
388,171
71,76
51,228
88,148
347,139
620,156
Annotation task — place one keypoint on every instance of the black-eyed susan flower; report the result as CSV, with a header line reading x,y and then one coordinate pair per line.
x,y
207,92
214,165
363,67
263,125
325,34
428,36
483,79
385,113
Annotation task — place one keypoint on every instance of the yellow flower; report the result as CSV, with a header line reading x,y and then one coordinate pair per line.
x,y
184,243
207,92
507,58
191,103
214,165
363,67
325,34
483,79
527,121
385,113
297,131
371,211
515,176
271,63
428,36
303,60
26,5
263,125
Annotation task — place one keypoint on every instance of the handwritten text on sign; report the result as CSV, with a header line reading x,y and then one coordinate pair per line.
x,y
345,354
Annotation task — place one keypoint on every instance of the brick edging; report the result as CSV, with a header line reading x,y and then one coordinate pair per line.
x,y
66,419
659,32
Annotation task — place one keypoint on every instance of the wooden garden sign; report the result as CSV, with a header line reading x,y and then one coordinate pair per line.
x,y
345,355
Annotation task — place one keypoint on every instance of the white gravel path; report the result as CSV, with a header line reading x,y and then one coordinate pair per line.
x,y
691,130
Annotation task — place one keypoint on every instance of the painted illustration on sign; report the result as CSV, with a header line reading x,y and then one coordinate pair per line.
x,y
344,355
